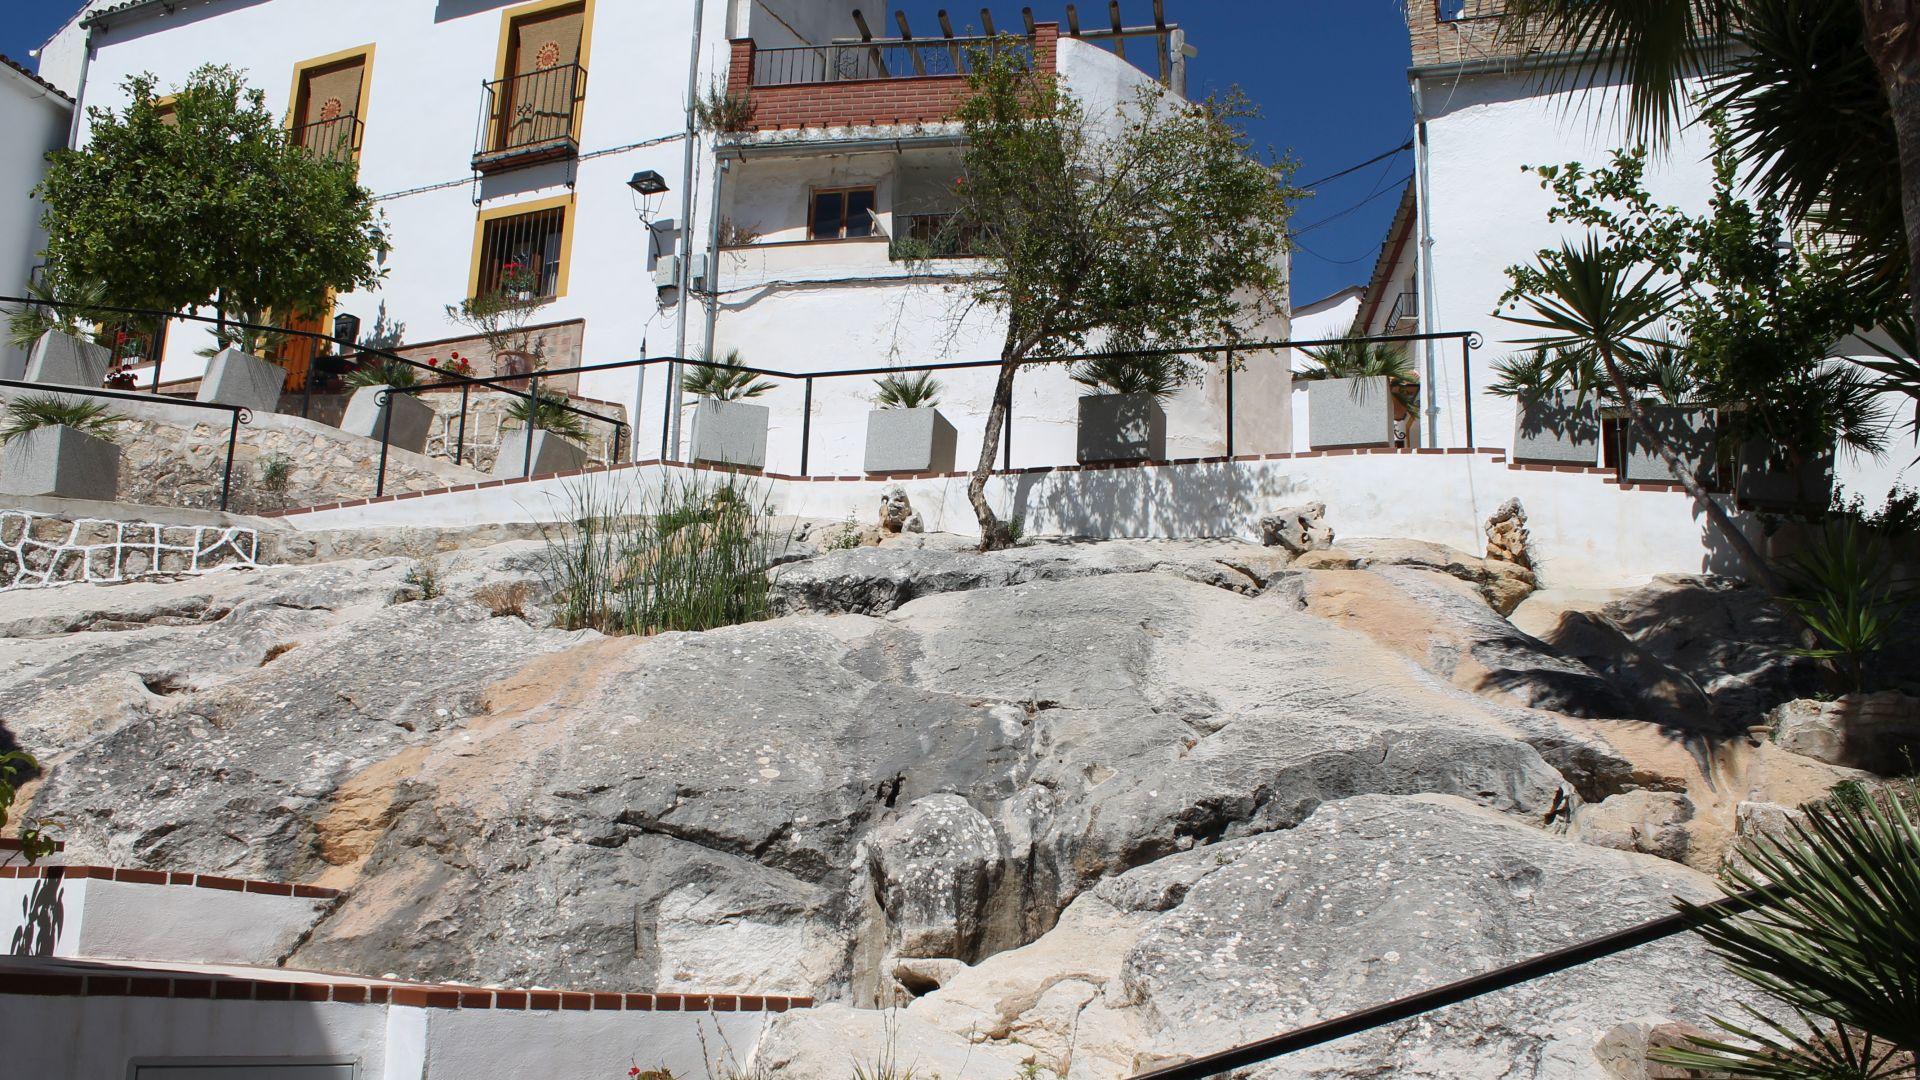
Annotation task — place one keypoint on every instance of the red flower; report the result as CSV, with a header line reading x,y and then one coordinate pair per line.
x,y
635,1071
433,361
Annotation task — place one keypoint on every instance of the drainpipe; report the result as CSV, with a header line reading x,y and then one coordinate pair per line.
x,y
80,94
1423,259
684,255
721,168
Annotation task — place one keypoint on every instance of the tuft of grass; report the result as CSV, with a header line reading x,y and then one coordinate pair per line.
x,y
276,474
692,555
503,599
723,112
26,414
425,578
843,537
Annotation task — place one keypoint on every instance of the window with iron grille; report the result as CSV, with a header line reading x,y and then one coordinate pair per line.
x,y
522,254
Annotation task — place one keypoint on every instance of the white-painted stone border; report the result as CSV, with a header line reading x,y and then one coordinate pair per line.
x,y
107,552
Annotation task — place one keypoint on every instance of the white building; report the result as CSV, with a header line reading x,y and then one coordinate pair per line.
x,y
1482,110
35,115
494,134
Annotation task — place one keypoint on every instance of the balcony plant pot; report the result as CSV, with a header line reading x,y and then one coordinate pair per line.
x,y
1556,429
63,462
910,441
1122,427
551,454
65,360
366,417
1766,480
1688,430
243,380
1346,413
730,433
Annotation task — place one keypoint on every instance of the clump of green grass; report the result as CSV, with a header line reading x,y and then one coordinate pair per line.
x,y
26,414
692,555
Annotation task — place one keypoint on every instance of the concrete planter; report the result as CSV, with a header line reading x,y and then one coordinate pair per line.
x,y
1764,483
1122,427
731,433
1688,430
551,454
65,360
910,441
243,380
1556,430
412,418
61,461
1343,413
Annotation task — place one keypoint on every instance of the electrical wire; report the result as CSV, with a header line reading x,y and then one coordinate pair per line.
x,y
1331,218
1350,170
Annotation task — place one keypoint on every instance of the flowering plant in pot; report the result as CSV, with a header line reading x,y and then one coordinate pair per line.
x,y
501,317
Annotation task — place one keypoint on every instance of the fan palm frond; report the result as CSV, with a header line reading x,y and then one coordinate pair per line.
x,y
1130,373
919,390
723,381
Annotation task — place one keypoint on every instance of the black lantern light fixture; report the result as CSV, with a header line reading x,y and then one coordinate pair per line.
x,y
648,182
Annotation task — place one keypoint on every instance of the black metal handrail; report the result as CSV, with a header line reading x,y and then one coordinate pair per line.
x,y
806,65
337,139
537,108
241,415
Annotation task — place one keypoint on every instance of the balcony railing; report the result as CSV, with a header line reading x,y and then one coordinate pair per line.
x,y
931,236
337,139
531,117
1406,309
865,60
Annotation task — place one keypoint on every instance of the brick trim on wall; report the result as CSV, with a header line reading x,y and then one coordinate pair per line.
x,y
922,99
164,877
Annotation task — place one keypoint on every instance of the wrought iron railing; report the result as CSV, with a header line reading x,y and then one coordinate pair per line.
x,y
931,236
858,61
337,139
534,110
1406,309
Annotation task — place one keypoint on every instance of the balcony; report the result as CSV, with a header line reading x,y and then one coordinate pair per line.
x,y
1405,313
531,118
337,139
930,236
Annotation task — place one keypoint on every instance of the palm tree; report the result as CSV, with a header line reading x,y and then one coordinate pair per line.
x,y
1829,936
1657,45
1366,360
723,381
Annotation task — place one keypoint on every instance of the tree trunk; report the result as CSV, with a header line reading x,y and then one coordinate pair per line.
x,y
994,535
1893,41
1749,555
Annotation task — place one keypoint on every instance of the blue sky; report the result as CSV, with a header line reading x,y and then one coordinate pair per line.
x,y
1329,74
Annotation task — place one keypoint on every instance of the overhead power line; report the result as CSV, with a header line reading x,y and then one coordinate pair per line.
x,y
1401,149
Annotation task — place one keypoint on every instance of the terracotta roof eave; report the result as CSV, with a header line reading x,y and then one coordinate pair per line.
x,y
36,79
1390,248
99,15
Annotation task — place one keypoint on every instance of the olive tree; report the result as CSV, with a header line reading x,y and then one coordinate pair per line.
x,y
1148,231
207,199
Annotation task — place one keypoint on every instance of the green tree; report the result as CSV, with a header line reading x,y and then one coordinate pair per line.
x,y
208,202
1160,231
1791,70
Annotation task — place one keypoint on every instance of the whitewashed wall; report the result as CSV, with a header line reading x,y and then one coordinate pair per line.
x,y
35,121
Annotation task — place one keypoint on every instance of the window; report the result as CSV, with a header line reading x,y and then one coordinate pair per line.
x,y
841,214
328,103
535,97
523,251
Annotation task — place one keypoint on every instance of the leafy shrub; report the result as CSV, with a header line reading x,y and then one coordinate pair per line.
x,y
552,415
723,381
384,372
692,556
35,843
24,414
719,111
900,390
1842,587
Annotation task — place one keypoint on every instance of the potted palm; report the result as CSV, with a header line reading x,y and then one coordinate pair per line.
x,y
501,317
1361,394
1126,421
555,432
727,430
906,432
1555,416
59,446
373,398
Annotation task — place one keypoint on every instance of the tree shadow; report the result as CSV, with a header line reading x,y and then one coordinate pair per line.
x,y
43,914
1215,499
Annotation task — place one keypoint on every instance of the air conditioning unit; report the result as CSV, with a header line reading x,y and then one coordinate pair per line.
x,y
666,273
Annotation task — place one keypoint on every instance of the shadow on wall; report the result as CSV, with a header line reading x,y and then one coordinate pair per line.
x,y
1219,501
43,913
448,10
1720,558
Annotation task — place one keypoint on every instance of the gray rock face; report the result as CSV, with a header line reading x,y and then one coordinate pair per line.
x,y
1297,529
1876,732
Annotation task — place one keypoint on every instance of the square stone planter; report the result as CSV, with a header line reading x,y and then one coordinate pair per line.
x,y
65,360
551,454
1556,430
910,441
1766,482
1122,427
1343,413
730,433
1687,430
243,380
61,461
412,418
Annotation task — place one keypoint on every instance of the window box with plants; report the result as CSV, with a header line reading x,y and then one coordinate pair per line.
x,y
59,446
1127,422
906,432
1556,419
551,438
1360,394
727,430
